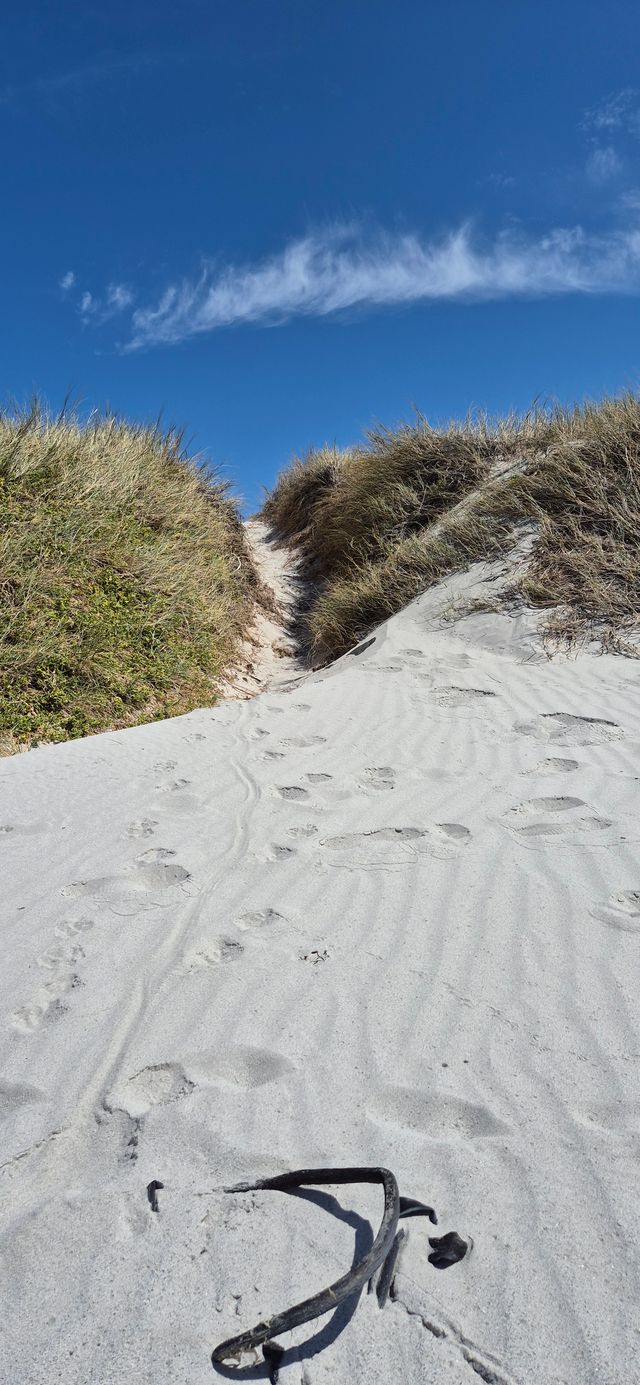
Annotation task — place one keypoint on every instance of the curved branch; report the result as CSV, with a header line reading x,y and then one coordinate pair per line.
x,y
327,1299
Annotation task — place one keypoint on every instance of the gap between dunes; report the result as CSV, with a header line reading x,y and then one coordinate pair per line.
x,y
268,657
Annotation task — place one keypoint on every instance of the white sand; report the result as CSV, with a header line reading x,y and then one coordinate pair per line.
x,y
224,956
268,657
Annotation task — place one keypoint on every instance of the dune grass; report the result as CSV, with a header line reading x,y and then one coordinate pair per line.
x,y
381,522
125,582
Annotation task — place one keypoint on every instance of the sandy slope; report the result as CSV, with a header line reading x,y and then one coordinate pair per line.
x,y
390,916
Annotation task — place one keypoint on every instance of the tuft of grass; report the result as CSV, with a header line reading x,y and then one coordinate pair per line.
x,y
400,513
125,581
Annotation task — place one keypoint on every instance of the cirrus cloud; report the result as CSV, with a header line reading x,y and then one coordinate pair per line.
x,y
331,272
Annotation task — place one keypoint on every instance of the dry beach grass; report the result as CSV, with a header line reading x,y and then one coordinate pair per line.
x,y
125,580
382,522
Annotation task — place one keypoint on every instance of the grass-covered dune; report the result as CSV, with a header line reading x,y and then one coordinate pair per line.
x,y
125,582
381,522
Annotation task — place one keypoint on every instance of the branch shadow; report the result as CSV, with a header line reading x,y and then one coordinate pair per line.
x,y
342,1315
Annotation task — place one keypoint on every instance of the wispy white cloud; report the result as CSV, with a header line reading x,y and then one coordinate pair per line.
x,y
603,164
88,305
620,111
332,271
119,297
78,79
612,130
116,299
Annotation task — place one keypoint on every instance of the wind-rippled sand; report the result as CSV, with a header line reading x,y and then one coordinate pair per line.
x,y
390,915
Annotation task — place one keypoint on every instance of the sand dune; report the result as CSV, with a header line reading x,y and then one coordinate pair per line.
x,y
390,915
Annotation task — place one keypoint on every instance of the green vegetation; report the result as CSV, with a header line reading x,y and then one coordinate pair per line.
x,y
125,582
379,523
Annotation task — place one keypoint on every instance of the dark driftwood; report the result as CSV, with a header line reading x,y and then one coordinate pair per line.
x,y
384,1246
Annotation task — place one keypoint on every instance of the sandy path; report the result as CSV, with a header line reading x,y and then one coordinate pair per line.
x,y
389,916
268,658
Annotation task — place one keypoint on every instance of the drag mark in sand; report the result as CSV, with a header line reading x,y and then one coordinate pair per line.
x,y
482,1362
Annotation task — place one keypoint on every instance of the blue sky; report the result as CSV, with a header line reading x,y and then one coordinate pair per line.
x,y
278,222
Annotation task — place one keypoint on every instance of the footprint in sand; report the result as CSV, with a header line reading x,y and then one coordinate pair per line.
x,y
563,728
276,851
70,928
396,845
319,778
15,1095
133,1218
142,827
241,1066
462,697
293,793
259,918
620,911
46,1004
161,1084
220,952
156,1085
435,1114
21,829
306,829
61,955
302,742
553,765
61,963
378,777
145,885
548,817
